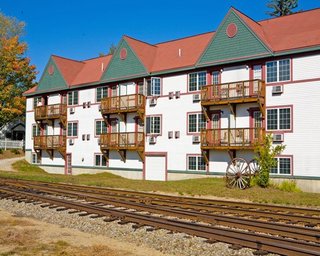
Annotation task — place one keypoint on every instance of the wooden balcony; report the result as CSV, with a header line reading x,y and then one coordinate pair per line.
x,y
121,142
50,143
235,92
231,139
51,112
124,104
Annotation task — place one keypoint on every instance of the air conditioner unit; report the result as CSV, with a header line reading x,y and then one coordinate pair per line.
x,y
195,139
278,89
177,94
170,95
71,142
196,97
277,137
152,139
72,110
153,101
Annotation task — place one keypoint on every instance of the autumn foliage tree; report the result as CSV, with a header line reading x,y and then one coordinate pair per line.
x,y
16,73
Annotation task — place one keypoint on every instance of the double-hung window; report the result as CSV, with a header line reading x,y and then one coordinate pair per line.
x,y
279,119
35,130
73,129
36,101
101,127
278,71
196,163
283,166
196,122
154,86
100,160
197,80
73,98
101,93
153,125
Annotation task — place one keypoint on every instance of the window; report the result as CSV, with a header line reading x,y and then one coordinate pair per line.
x,y
101,93
278,71
101,127
196,122
154,86
35,159
72,129
36,101
35,130
215,77
73,98
279,119
100,160
153,125
140,88
196,163
197,80
283,166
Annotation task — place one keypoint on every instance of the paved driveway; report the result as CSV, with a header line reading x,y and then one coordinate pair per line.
x,y
5,164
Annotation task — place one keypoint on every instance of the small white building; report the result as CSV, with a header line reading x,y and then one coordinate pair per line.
x,y
186,107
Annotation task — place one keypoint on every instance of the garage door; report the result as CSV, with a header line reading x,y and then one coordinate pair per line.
x,y
155,168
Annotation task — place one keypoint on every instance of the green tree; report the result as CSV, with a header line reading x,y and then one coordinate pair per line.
x,y
266,154
112,49
16,73
281,7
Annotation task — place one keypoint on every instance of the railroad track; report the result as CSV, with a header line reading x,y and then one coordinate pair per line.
x,y
296,245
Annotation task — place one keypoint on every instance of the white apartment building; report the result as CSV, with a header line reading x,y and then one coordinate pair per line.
x,y
186,107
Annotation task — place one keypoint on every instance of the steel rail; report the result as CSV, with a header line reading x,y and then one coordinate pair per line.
x,y
223,203
255,241
273,216
296,232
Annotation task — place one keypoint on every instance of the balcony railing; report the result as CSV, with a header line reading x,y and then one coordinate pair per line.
x,y
235,92
122,141
50,142
122,104
56,111
237,138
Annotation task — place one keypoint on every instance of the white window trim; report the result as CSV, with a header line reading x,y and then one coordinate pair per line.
x,y
102,88
197,123
152,84
278,68
72,136
101,125
197,163
101,156
278,119
278,166
152,124
72,93
198,87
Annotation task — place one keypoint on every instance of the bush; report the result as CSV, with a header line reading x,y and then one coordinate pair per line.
x,y
1,151
15,151
289,186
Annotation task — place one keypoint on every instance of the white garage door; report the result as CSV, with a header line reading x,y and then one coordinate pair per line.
x,y
155,168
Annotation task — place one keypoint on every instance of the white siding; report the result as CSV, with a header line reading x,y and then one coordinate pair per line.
x,y
306,67
235,74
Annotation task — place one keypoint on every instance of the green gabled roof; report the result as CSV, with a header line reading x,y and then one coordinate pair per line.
x,y
120,69
244,45
51,81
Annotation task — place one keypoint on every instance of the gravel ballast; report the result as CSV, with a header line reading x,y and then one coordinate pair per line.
x,y
161,240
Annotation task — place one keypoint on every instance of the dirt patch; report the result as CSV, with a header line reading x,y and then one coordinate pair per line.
x,y
27,236
11,154
6,164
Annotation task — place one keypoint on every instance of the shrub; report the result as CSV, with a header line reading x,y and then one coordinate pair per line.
x,y
266,159
15,151
1,151
289,186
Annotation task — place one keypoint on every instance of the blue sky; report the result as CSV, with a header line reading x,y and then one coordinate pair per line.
x,y
81,30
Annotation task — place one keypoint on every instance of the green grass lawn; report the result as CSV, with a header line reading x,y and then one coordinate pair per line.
x,y
192,187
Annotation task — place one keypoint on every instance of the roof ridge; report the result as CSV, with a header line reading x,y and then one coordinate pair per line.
x,y
169,41
139,40
107,55
292,14
79,61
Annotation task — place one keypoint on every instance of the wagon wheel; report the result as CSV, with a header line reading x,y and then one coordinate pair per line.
x,y
238,173
254,167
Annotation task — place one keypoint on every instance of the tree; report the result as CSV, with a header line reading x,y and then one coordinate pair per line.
x,y
266,154
112,49
16,73
281,7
